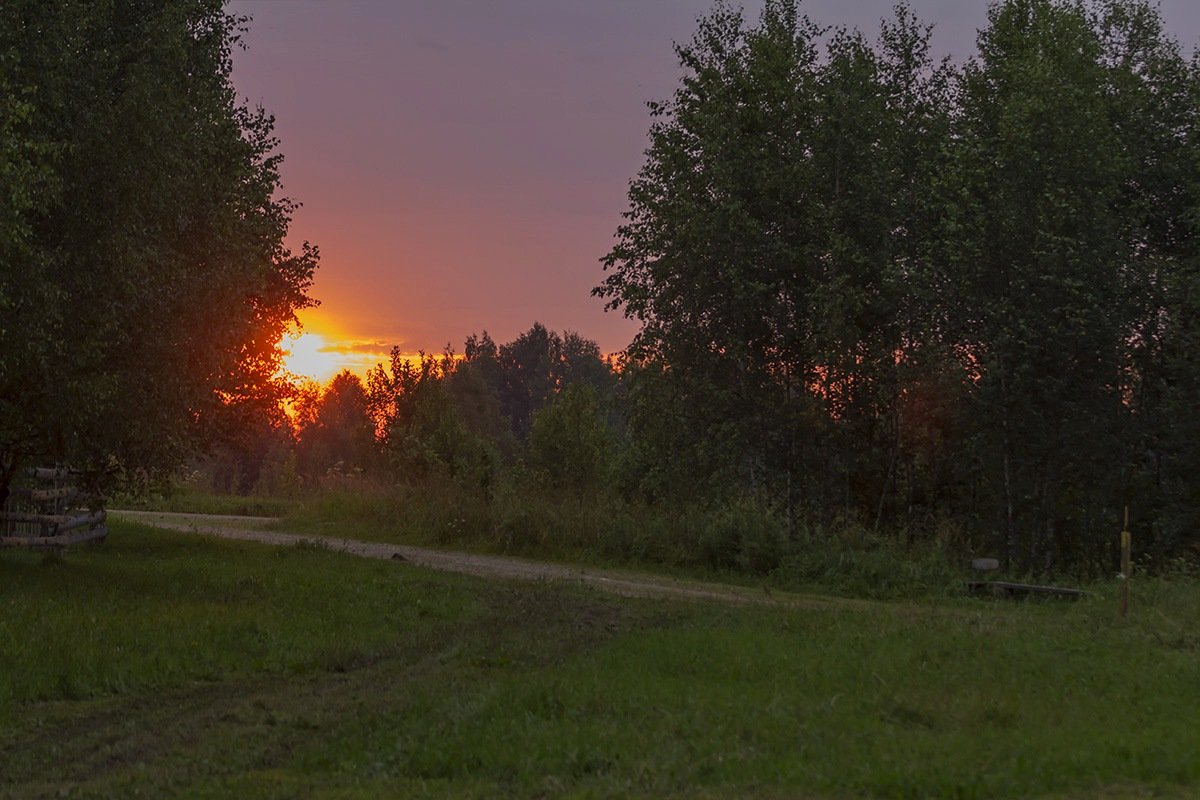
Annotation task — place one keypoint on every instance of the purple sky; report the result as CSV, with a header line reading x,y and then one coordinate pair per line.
x,y
463,164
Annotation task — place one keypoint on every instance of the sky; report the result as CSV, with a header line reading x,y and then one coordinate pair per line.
x,y
463,164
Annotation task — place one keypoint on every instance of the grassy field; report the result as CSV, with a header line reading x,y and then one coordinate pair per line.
x,y
165,664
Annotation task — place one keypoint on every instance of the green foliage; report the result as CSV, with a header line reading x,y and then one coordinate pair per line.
x,y
463,419
571,447
250,448
1039,298
193,499
538,364
875,287
434,444
428,442
742,536
769,250
851,560
738,539
145,280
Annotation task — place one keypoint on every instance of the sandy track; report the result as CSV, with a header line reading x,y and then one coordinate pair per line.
x,y
627,585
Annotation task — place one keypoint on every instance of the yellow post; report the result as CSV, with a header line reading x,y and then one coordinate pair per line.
x,y
1126,566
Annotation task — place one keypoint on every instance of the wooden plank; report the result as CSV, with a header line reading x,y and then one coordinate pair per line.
x,y
1011,589
92,519
53,474
36,519
51,542
42,495
72,520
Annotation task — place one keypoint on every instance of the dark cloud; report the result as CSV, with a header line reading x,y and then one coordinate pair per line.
x,y
376,347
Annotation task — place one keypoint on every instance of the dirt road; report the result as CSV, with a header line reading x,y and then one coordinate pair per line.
x,y
625,584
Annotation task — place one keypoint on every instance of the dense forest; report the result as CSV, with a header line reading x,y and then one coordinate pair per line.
x,y
876,285
875,290
923,300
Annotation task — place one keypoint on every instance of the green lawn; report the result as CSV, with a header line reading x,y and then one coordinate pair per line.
x,y
167,664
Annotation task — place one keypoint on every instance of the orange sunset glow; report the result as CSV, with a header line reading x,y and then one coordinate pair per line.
x,y
309,355
321,349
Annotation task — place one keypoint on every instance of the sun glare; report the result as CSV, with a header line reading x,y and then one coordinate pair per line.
x,y
309,355
322,348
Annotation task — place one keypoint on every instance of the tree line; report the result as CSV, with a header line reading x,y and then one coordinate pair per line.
x,y
875,290
544,402
876,285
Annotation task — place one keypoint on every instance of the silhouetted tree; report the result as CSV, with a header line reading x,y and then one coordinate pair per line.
x,y
340,434
144,279
528,365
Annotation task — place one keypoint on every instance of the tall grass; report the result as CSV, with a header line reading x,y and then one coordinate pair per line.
x,y
740,539
190,499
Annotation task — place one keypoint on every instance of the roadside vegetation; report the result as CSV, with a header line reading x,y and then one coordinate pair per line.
x,y
917,305
172,664
190,500
745,544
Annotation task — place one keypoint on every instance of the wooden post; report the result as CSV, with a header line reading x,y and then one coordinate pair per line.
x,y
1126,566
